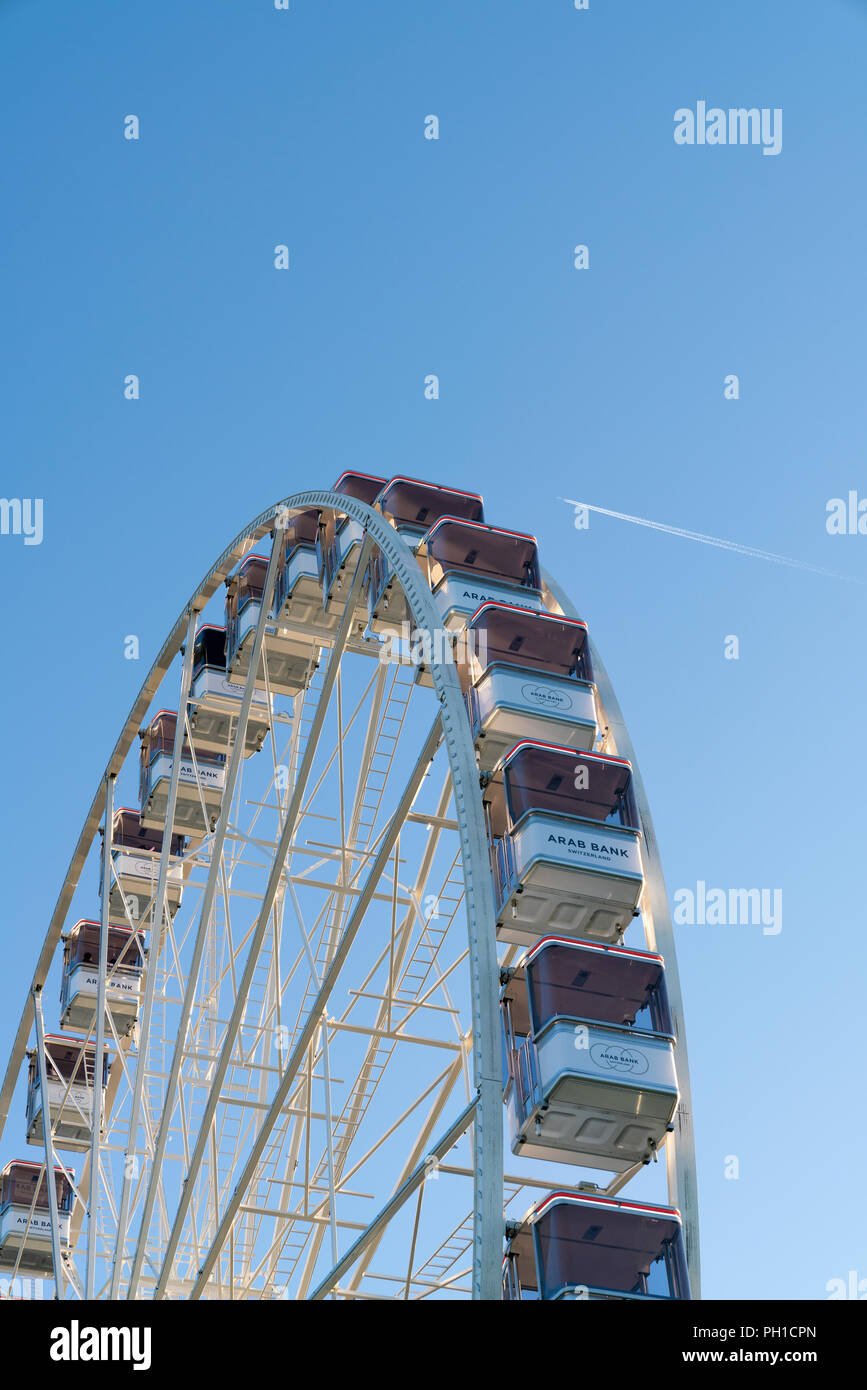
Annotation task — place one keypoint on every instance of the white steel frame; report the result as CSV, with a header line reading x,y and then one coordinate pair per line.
x,y
224,1240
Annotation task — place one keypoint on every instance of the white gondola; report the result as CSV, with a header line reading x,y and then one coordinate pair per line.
x,y
298,587
215,700
202,777
25,1224
69,1065
526,675
468,563
339,546
80,978
412,508
589,1049
565,844
135,858
573,1246
290,658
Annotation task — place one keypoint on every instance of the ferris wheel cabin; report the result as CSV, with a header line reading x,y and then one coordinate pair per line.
x,y
202,777
135,858
69,1066
80,978
215,700
468,563
340,540
297,589
412,508
25,1224
589,1054
576,1247
289,658
564,843
526,674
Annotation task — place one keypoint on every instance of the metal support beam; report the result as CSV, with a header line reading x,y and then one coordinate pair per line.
x,y
99,1041
153,954
418,1150
53,1214
258,935
239,547
394,1204
308,1030
680,1148
235,763
468,816
329,1141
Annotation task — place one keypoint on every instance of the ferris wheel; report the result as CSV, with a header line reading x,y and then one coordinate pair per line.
x,y
361,983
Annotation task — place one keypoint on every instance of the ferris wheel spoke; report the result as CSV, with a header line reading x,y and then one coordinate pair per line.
x,y
380,1051
258,933
48,1141
313,1018
99,1047
411,1184
216,867
419,1150
315,1032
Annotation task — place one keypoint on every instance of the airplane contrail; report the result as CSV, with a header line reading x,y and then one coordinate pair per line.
x,y
735,546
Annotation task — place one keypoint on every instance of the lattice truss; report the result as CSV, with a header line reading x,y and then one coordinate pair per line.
x,y
295,1108
388,1059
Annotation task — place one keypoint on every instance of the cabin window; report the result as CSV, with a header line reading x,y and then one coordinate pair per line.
x,y
124,951
504,555
19,1180
160,738
498,633
619,1250
538,778
209,650
128,833
407,502
565,981
301,531
68,1062
361,485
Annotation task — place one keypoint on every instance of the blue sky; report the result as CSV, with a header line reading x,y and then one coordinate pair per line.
x,y
454,257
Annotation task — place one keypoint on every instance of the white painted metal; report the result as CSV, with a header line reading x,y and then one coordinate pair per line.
x,y
258,936
235,762
208,1241
56,1258
680,1155
158,926
99,1048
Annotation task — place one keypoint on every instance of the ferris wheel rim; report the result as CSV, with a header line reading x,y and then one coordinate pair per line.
x,y
679,1156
